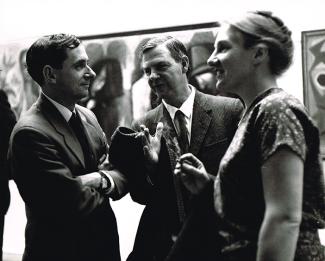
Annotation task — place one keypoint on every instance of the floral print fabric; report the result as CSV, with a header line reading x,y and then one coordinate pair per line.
x,y
273,121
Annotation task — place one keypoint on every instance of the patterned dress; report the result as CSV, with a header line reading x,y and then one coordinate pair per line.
x,y
273,121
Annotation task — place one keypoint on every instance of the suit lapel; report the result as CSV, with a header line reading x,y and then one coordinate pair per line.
x,y
200,122
62,128
90,132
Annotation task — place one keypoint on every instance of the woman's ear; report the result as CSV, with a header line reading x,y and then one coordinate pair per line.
x,y
261,53
49,74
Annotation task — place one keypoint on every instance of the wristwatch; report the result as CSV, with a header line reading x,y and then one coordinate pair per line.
x,y
105,183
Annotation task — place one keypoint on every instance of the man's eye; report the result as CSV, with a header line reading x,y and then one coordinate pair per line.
x,y
222,48
81,65
162,67
146,72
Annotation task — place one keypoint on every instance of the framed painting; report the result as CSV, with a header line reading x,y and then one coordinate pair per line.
x,y
313,64
119,93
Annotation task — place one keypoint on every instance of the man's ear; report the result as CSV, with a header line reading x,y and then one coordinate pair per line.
x,y
185,64
261,53
49,74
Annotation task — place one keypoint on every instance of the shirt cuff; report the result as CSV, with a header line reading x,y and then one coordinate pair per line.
x,y
111,181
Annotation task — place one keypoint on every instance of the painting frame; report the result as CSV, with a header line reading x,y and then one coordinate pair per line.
x,y
313,66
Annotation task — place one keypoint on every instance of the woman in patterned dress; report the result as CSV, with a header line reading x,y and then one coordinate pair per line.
x,y
269,193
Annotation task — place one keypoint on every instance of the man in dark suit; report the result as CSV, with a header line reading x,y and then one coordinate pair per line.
x,y
8,121
174,224
57,155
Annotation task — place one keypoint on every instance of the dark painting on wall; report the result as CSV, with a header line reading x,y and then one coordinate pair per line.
x,y
313,61
119,93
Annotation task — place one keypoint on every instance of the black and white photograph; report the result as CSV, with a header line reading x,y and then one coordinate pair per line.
x,y
162,130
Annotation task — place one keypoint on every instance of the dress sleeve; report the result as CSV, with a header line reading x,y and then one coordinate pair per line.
x,y
279,125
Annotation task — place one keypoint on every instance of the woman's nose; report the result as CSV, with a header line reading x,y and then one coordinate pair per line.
x,y
212,60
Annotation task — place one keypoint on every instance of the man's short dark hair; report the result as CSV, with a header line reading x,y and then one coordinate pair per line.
x,y
176,48
49,50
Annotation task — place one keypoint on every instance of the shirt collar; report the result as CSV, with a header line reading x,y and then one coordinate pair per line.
x,y
66,113
186,108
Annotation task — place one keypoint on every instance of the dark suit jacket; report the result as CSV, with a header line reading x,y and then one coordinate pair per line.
x,y
214,122
8,120
65,220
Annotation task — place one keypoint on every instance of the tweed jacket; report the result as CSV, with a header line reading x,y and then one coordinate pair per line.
x,y
214,121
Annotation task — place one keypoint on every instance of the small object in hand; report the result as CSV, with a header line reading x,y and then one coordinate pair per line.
x,y
187,162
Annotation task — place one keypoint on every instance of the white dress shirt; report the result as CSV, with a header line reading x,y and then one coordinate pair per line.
x,y
66,113
186,108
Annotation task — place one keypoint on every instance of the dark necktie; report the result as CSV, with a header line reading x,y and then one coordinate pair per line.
x,y
78,129
182,136
182,132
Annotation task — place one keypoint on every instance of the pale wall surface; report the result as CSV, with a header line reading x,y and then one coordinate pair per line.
x,y
24,19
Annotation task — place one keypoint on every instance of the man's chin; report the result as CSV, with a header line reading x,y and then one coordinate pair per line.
x,y
158,90
83,95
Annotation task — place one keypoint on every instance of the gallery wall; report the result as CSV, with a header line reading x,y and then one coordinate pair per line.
x,y
24,20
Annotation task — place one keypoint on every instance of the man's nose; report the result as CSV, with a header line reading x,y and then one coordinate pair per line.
x,y
154,75
90,73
